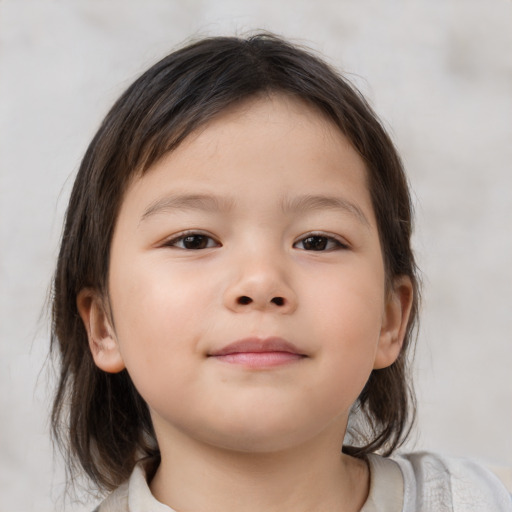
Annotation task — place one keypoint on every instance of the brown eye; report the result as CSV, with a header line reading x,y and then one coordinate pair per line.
x,y
193,242
314,243
319,243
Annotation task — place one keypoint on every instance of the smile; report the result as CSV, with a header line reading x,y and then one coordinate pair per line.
x,y
259,353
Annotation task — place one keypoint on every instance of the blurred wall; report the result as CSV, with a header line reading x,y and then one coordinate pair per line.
x,y
439,74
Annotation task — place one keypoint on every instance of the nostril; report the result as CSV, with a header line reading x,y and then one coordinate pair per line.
x,y
244,300
278,301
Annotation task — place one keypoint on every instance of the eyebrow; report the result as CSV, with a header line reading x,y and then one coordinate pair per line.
x,y
211,203
204,202
324,202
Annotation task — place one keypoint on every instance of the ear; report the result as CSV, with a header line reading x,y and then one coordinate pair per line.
x,y
102,339
394,322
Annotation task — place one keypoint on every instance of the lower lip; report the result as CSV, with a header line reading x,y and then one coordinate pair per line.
x,y
260,359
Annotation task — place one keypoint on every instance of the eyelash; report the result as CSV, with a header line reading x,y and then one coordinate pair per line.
x,y
192,235
326,243
336,243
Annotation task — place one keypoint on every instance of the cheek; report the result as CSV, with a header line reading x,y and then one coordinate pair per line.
x,y
157,319
151,296
351,303
348,312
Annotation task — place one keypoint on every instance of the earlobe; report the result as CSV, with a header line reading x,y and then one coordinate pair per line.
x,y
394,325
102,339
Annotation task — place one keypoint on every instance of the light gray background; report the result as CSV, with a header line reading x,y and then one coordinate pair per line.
x,y
439,72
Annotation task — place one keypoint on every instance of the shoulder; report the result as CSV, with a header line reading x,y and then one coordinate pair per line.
x,y
134,494
117,501
448,484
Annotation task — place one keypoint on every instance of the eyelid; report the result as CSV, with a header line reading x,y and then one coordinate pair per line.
x,y
340,241
173,239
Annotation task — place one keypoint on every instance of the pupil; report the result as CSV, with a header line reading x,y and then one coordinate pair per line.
x,y
315,243
195,242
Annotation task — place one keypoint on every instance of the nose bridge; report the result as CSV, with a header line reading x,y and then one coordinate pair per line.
x,y
260,280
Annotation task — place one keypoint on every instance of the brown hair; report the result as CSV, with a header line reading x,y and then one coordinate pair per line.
x,y
99,417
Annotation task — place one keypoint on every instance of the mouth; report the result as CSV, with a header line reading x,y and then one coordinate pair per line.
x,y
259,353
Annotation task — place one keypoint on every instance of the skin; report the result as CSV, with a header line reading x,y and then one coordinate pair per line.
x,y
234,436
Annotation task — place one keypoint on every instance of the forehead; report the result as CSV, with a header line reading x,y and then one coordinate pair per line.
x,y
270,114
271,143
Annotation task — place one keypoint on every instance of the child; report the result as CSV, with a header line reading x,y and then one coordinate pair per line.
x,y
235,284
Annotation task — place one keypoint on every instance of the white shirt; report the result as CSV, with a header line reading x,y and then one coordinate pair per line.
x,y
416,482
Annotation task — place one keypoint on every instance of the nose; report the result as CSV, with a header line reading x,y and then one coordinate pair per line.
x,y
260,285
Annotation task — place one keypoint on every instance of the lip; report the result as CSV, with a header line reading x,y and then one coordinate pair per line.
x,y
259,352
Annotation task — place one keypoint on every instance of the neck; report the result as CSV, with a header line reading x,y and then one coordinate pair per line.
x,y
314,476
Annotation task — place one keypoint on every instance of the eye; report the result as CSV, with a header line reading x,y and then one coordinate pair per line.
x,y
192,241
319,243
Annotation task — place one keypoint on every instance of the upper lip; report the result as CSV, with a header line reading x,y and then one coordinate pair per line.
x,y
252,345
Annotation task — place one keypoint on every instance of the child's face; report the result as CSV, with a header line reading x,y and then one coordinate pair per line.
x,y
257,228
